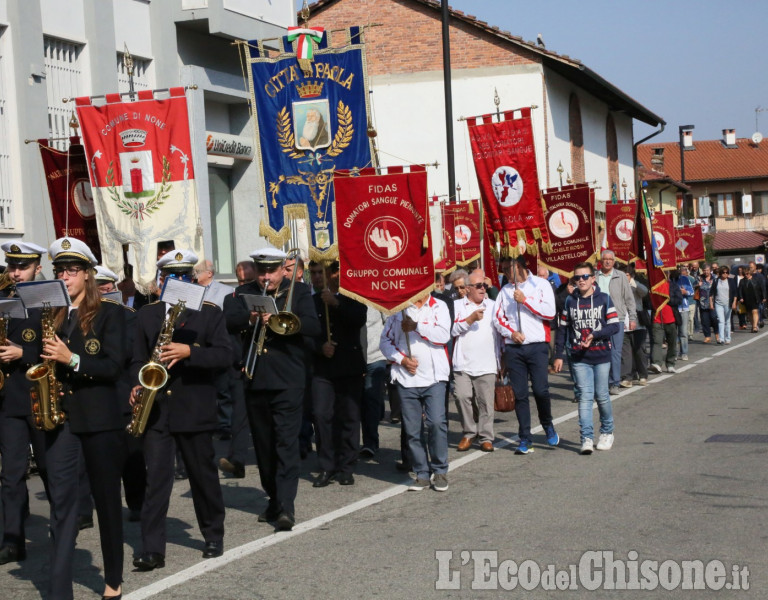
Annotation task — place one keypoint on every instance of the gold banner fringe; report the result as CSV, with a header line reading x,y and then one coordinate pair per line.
x,y
387,311
466,261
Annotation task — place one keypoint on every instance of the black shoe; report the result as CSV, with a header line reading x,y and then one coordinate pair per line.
x,y
134,515
394,420
118,597
345,478
323,479
213,549
181,473
148,561
232,467
285,521
367,453
84,522
269,515
12,554
403,466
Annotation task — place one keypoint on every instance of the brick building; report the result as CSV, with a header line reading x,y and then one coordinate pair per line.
x,y
582,120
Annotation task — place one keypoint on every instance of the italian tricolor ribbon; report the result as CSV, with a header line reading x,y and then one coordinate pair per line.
x,y
304,48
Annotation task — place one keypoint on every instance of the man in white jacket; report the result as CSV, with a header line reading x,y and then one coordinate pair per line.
x,y
522,314
415,341
475,362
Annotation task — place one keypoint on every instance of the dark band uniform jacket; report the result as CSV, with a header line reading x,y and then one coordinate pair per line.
x,y
188,401
125,384
282,366
14,397
346,320
89,393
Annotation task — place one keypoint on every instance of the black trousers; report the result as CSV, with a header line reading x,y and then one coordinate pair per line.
x,y
238,445
336,410
275,417
196,448
16,434
523,361
103,454
134,472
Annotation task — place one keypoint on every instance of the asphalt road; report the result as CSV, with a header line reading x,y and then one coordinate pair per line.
x,y
668,493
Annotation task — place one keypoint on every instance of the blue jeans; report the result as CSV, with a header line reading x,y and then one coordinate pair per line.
x,y
429,402
617,341
593,384
724,321
682,333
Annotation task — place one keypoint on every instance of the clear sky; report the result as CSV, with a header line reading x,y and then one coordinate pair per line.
x,y
699,62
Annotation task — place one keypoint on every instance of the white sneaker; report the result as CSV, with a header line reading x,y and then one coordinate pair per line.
x,y
671,370
685,356
587,446
642,381
605,442
654,368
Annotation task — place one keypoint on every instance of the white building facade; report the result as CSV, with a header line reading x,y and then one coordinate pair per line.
x,y
55,49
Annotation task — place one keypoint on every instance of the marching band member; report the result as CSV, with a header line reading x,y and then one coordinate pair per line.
x,y
17,430
274,397
89,354
134,470
183,415
337,383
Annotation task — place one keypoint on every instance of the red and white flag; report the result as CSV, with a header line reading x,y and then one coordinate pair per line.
x,y
505,162
140,161
384,237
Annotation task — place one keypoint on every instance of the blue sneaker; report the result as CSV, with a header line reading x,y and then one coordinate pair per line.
x,y
552,438
524,447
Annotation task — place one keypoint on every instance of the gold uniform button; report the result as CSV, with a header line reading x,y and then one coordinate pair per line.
x,y
70,392
168,393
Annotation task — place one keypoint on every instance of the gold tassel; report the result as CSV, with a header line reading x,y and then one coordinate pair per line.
x,y
537,233
425,241
496,237
547,247
471,207
543,205
305,64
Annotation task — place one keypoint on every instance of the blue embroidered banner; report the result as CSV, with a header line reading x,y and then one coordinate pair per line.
x,y
311,120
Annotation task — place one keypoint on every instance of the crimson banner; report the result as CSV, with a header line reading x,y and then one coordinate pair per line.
x,y
505,162
664,235
619,229
570,215
466,230
66,174
140,160
689,244
447,262
384,238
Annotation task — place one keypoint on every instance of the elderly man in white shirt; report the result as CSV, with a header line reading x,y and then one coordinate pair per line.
x,y
415,341
475,362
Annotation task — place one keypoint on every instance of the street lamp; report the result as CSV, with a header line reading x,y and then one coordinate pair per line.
x,y
682,129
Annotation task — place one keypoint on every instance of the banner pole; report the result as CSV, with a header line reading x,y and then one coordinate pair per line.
x,y
448,98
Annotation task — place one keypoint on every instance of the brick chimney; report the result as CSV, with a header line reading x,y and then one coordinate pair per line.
x,y
657,159
688,139
729,137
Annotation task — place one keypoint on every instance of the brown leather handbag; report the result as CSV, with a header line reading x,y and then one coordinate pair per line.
x,y
504,398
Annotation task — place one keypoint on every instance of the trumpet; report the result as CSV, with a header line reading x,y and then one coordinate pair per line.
x,y
285,322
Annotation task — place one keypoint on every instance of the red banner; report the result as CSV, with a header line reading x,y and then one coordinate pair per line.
x,y
140,160
570,215
66,174
447,262
384,240
620,228
689,244
466,230
664,233
505,161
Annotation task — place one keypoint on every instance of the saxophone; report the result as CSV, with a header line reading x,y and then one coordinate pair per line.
x,y
153,376
46,389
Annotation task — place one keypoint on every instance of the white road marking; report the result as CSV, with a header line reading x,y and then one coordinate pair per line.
x,y
250,548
